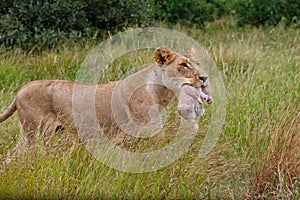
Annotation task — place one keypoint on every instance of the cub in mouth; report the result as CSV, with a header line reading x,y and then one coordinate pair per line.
x,y
190,105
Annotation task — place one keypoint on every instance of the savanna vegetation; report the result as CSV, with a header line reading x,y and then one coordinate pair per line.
x,y
258,152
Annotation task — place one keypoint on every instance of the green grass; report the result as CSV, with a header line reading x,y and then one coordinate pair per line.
x,y
257,155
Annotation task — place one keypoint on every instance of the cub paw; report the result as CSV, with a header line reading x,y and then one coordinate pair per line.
x,y
209,100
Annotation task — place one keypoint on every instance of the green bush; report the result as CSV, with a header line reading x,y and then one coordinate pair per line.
x,y
4,6
114,14
44,23
222,7
258,12
189,12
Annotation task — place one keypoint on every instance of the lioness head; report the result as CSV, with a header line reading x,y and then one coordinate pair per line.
x,y
179,69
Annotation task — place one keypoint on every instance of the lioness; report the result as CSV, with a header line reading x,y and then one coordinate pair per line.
x,y
43,104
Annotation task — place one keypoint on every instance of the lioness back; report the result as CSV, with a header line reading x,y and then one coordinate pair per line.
x,y
53,99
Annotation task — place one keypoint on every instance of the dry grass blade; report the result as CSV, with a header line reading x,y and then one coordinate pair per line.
x,y
279,173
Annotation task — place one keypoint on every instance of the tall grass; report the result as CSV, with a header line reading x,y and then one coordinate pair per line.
x,y
278,175
257,155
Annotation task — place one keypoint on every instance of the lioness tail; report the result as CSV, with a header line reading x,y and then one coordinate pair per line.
x,y
10,110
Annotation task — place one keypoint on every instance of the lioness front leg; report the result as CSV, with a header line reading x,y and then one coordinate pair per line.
x,y
47,128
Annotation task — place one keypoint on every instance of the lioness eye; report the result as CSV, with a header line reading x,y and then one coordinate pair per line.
x,y
185,65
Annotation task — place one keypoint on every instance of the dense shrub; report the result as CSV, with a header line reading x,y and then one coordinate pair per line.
x,y
189,12
222,7
112,14
258,12
43,23
4,6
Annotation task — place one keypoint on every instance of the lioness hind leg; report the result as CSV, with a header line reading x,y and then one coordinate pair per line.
x,y
27,135
28,132
27,139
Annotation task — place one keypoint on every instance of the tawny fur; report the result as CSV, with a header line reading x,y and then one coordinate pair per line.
x,y
43,104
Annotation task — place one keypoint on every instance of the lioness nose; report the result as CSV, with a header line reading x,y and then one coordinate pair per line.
x,y
203,78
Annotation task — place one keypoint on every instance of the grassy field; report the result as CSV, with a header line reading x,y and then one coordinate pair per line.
x,y
257,155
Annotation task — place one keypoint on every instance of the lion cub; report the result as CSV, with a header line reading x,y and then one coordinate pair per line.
x,y
190,105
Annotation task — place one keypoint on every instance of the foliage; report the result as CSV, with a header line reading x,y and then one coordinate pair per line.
x,y
44,23
4,6
222,7
113,14
41,22
28,23
257,12
190,12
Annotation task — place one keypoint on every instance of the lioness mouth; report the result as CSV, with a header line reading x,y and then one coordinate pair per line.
x,y
203,92
204,89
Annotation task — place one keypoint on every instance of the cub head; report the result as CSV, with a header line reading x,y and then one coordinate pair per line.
x,y
180,68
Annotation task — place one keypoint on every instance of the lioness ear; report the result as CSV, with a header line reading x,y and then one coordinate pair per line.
x,y
163,56
190,50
